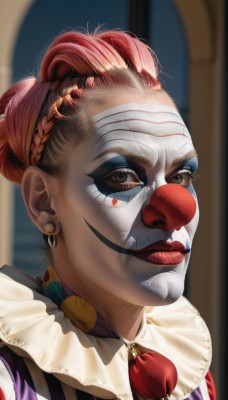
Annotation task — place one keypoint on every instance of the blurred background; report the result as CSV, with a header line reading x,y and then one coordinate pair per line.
x,y
190,39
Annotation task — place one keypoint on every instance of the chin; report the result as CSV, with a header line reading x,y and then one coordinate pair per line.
x,y
163,290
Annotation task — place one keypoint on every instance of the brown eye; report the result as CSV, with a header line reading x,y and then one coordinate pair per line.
x,y
123,179
119,177
177,179
183,178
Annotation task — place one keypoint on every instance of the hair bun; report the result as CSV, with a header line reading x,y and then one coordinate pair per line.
x,y
20,107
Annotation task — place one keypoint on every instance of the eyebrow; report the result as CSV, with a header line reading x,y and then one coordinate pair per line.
x,y
182,160
130,156
146,162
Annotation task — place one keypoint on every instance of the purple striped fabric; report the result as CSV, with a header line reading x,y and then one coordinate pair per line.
x,y
18,371
25,389
54,387
23,383
195,395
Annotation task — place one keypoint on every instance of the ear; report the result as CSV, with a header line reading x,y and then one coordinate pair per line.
x,y
37,189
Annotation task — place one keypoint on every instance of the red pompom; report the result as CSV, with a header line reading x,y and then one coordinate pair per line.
x,y
2,396
152,375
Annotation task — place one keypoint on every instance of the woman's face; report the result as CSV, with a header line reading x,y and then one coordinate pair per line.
x,y
127,208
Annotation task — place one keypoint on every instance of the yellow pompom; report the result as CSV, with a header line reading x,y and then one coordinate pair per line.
x,y
80,312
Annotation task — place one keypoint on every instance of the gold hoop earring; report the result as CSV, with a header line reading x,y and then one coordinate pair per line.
x,y
52,240
50,229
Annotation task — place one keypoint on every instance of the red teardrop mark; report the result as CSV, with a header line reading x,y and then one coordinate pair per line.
x,y
114,202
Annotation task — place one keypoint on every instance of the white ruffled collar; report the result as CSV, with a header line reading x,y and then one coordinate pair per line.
x,y
34,327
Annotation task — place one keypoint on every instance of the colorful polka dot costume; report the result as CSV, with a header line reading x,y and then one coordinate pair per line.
x,y
81,313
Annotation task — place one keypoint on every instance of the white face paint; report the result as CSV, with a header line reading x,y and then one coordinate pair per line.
x,y
134,150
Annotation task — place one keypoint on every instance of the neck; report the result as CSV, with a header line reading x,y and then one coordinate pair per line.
x,y
125,318
126,321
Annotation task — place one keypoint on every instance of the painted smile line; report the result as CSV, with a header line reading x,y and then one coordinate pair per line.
x,y
161,252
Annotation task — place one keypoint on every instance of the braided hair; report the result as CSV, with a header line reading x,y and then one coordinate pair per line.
x,y
40,115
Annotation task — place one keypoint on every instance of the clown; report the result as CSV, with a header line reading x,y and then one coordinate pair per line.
x,y
106,165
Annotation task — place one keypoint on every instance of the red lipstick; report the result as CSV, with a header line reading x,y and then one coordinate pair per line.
x,y
163,253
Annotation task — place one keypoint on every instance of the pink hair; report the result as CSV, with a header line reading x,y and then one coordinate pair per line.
x,y
21,105
74,62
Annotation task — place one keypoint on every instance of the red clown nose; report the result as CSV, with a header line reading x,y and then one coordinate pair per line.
x,y
171,207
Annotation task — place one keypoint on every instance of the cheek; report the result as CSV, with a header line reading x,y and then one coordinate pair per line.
x,y
85,204
118,210
192,226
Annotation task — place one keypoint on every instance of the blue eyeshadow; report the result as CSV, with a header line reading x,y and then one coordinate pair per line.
x,y
118,162
113,164
191,165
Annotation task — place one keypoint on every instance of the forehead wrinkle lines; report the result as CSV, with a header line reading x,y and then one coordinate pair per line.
x,y
134,131
119,121
138,110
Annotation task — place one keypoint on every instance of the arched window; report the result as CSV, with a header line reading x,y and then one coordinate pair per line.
x,y
167,37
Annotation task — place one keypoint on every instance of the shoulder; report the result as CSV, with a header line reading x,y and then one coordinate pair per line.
x,y
11,274
20,378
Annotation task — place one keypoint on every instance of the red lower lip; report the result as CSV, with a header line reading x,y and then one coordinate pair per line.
x,y
163,253
162,257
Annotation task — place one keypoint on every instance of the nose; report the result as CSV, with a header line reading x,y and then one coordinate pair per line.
x,y
171,206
